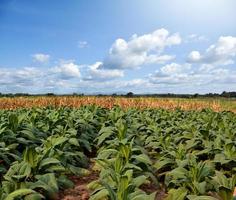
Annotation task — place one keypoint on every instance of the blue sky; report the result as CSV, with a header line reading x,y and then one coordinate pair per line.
x,y
104,46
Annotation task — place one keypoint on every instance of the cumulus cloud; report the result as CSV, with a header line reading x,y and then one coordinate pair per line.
x,y
171,74
95,72
206,68
203,69
13,80
223,52
41,58
172,68
194,56
32,78
186,75
67,70
141,50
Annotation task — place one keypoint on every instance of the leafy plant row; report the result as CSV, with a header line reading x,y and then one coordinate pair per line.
x,y
187,154
40,147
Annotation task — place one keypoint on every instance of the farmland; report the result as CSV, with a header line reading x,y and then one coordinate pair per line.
x,y
216,104
124,149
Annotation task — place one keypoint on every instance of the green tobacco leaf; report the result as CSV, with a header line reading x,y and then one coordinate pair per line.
x,y
106,153
94,185
194,197
8,186
163,163
18,171
177,194
104,133
34,196
65,182
48,161
47,182
100,195
74,142
111,193
138,181
142,158
79,171
142,196
20,192
31,156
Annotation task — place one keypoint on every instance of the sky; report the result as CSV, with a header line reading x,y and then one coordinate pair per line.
x,y
117,46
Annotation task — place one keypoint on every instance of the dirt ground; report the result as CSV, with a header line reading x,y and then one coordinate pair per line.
x,y
80,190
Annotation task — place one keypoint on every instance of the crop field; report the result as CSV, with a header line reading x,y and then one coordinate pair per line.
x,y
102,152
216,104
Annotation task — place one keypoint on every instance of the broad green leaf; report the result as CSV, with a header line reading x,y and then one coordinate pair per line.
x,y
105,132
48,161
142,158
193,197
138,181
177,194
20,192
100,195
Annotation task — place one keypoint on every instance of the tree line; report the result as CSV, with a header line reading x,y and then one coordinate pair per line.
x,y
130,94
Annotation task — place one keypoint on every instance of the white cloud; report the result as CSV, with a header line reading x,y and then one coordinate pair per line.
x,y
41,58
31,79
159,59
196,38
173,77
186,75
170,70
174,68
223,52
204,71
194,56
96,73
141,50
171,74
83,44
13,80
206,68
67,70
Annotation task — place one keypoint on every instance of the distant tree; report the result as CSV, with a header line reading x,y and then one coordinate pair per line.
x,y
50,94
225,94
130,94
233,94
21,94
9,95
228,94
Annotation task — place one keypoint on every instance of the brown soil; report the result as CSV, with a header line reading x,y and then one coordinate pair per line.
x,y
150,188
160,195
80,190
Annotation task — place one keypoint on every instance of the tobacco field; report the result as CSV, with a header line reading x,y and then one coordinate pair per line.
x,y
137,154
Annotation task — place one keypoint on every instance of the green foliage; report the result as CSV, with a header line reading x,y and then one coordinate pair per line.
x,y
189,154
